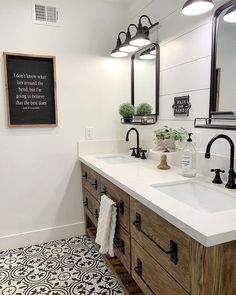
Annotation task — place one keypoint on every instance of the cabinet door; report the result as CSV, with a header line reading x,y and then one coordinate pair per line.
x,y
122,246
150,276
169,246
91,206
122,201
91,181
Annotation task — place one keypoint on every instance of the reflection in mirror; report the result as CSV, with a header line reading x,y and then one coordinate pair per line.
x,y
226,66
222,111
145,78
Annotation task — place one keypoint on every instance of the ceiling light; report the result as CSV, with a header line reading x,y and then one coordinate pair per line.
x,y
230,16
126,46
142,36
196,7
116,52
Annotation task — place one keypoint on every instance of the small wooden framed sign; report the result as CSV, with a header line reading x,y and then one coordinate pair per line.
x,y
181,105
31,90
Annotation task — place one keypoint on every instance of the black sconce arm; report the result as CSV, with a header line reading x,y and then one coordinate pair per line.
x,y
149,20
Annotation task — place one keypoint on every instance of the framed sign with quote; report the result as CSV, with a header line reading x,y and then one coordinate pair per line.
x,y
181,105
31,90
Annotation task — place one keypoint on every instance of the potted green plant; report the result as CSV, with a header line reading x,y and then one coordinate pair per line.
x,y
127,110
166,138
144,109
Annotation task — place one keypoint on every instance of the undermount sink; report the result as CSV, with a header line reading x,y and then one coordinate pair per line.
x,y
116,159
201,197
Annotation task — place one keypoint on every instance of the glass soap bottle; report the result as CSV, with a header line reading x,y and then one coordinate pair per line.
x,y
189,159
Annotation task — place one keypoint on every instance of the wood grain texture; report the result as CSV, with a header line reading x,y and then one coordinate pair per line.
x,y
154,279
118,196
92,207
89,181
124,257
162,232
200,270
213,269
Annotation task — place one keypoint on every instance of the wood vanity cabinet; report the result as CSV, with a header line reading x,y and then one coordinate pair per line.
x,y
152,255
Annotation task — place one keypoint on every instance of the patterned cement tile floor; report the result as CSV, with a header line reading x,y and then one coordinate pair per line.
x,y
64,267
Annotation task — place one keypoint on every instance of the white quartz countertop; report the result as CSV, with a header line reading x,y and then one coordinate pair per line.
x,y
136,177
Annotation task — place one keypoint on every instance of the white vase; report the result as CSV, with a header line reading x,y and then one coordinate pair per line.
x,y
166,145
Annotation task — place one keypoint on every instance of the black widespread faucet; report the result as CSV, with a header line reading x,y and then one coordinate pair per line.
x,y
232,174
137,154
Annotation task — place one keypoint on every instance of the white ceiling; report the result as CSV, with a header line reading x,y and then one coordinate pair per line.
x,y
118,1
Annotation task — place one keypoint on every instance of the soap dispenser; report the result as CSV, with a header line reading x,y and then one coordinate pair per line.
x,y
189,158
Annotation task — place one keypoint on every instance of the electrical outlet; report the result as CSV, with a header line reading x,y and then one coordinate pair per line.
x,y
89,133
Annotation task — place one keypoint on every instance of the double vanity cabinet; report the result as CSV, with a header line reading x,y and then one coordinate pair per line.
x,y
152,256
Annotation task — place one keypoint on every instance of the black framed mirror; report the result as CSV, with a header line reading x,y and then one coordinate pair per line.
x,y
145,72
222,108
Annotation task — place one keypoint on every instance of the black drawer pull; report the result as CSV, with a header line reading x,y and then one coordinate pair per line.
x,y
120,207
104,192
85,175
86,205
173,252
86,202
120,244
139,268
95,184
139,271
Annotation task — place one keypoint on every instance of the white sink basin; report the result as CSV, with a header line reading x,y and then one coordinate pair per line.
x,y
201,197
116,159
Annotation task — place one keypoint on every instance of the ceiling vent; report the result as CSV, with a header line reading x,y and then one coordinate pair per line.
x,y
45,14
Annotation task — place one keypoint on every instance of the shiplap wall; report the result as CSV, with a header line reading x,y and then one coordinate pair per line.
x,y
185,44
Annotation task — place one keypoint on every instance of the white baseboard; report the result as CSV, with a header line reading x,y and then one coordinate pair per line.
x,y
41,236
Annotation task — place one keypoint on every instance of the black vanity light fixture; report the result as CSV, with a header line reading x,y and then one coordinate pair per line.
x,y
230,16
148,54
142,36
196,7
126,46
153,50
116,52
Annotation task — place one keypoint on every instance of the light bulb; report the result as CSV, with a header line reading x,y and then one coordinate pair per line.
x,y
128,48
140,42
147,56
119,54
196,7
230,16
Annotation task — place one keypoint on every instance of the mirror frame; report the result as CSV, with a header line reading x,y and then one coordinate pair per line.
x,y
157,78
212,108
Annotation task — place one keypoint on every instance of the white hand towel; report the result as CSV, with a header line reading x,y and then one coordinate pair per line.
x,y
106,225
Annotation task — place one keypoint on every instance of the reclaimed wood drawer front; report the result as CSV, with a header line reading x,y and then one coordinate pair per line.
x,y
122,201
91,206
150,276
122,247
91,181
158,237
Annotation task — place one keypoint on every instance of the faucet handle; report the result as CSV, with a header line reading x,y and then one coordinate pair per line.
x,y
133,151
217,178
143,157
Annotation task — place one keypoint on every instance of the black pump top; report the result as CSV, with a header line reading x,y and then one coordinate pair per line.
x,y
189,137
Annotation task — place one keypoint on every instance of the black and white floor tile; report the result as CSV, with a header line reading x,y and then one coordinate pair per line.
x,y
65,267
